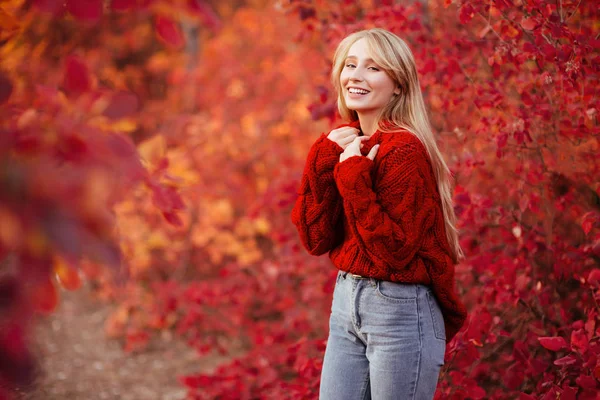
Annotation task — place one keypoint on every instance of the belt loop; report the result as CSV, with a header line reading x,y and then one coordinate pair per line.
x,y
344,273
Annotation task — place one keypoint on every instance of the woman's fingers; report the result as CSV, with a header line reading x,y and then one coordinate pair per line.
x,y
343,136
347,136
353,149
345,131
357,143
373,152
348,139
351,138
360,139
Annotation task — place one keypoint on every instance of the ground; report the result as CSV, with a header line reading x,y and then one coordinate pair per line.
x,y
77,360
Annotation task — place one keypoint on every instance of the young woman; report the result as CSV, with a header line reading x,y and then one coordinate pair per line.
x,y
376,195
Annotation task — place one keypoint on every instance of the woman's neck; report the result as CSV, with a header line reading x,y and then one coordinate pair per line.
x,y
368,124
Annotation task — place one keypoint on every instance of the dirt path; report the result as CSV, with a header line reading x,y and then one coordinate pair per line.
x,y
79,362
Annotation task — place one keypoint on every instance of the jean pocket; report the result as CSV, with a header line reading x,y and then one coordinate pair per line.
x,y
339,277
396,291
337,283
437,317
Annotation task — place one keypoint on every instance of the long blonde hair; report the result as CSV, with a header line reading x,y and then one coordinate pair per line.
x,y
406,111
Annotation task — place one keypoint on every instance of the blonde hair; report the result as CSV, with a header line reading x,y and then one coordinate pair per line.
x,y
406,110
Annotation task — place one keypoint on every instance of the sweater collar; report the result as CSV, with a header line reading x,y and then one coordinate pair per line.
x,y
374,138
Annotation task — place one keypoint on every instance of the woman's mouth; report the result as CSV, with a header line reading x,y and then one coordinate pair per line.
x,y
358,91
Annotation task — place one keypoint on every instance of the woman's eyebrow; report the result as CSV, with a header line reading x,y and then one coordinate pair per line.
x,y
368,60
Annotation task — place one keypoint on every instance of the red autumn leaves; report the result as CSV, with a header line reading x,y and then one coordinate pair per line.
x,y
582,340
86,10
169,31
167,27
77,78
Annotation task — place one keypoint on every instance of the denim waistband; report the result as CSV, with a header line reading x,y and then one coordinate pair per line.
x,y
346,274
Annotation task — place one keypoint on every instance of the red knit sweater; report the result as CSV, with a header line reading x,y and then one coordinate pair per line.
x,y
379,218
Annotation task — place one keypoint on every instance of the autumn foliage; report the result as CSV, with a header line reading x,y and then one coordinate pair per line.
x,y
152,149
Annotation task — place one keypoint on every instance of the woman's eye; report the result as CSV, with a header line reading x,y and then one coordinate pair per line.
x,y
374,68
350,65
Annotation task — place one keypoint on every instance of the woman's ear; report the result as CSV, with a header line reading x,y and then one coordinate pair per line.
x,y
397,91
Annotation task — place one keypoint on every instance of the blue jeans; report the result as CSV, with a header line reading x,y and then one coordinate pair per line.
x,y
386,341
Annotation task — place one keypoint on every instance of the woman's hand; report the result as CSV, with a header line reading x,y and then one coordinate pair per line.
x,y
353,149
343,136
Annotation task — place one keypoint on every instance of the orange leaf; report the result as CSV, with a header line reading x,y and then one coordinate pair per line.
x,y
67,274
528,23
153,150
114,325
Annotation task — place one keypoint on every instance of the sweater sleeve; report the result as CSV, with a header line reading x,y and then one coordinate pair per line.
x,y
318,208
391,221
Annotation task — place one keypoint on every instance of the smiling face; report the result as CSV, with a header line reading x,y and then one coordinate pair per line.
x,y
366,87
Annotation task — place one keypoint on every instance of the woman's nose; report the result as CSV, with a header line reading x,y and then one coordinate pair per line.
x,y
356,75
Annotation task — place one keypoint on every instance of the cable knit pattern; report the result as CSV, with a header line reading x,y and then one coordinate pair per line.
x,y
382,219
319,206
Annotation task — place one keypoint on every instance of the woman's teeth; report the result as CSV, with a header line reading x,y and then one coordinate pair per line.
x,y
358,91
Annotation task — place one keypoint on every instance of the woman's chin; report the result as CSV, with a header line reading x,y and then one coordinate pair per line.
x,y
357,108
354,105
